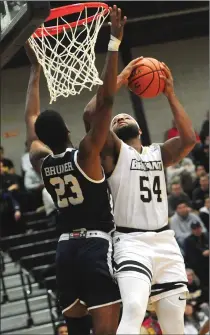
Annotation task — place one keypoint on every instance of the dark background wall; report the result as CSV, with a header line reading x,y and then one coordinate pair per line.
x,y
180,40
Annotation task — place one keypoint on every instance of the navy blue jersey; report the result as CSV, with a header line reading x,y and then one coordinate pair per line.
x,y
81,201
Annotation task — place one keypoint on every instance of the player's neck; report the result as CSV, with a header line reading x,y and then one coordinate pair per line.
x,y
63,148
135,143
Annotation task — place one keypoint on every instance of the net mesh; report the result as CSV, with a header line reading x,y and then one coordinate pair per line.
x,y
69,67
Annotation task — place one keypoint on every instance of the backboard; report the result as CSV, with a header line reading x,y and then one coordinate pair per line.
x,y
19,19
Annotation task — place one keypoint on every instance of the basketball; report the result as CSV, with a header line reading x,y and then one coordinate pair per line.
x,y
145,80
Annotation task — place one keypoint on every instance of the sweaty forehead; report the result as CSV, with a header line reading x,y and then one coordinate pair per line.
x,y
118,116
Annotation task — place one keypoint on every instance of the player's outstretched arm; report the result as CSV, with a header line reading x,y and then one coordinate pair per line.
x,y
178,147
32,110
99,127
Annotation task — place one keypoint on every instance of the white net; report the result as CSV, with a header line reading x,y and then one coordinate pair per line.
x,y
68,58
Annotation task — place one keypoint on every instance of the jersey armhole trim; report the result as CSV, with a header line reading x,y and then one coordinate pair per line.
x,y
115,168
84,174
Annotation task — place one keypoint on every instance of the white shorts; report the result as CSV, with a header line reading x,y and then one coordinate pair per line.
x,y
153,257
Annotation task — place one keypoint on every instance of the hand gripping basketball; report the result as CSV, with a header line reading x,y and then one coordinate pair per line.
x,y
169,82
117,22
126,72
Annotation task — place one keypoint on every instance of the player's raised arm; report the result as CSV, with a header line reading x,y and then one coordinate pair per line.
x,y
178,147
32,110
99,127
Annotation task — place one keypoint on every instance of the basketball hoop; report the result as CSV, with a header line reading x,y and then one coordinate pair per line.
x,y
66,51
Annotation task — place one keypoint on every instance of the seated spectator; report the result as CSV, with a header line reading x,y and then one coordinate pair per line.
x,y
8,165
184,168
200,171
48,202
34,186
150,325
25,161
201,193
193,320
197,296
201,154
176,196
61,329
181,222
204,213
10,208
196,247
205,128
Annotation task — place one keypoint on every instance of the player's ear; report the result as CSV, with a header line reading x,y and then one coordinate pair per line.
x,y
140,132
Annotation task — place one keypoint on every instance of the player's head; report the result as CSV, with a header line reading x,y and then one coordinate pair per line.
x,y
51,129
125,127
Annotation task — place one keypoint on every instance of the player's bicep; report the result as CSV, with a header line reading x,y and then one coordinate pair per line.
x,y
173,151
30,129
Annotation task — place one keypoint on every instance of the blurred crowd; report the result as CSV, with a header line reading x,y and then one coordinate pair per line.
x,y
188,200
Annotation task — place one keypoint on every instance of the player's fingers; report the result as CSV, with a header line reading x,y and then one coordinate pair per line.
x,y
124,20
166,66
119,14
162,77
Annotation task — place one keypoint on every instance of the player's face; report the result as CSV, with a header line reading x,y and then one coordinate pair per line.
x,y
121,120
125,127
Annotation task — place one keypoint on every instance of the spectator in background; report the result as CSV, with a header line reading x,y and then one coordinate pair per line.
x,y
196,296
34,186
193,320
150,325
61,329
196,247
8,165
200,171
176,196
9,205
48,203
25,161
184,168
181,222
201,193
173,132
201,154
205,128
204,213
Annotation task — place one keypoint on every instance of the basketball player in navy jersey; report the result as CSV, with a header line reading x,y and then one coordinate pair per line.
x,y
148,261
76,183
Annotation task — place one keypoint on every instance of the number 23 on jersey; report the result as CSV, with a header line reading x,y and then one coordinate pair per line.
x,y
63,185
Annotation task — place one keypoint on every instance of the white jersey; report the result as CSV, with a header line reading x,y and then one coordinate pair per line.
x,y
138,189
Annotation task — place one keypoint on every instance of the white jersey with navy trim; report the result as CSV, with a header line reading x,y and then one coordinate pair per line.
x,y
138,189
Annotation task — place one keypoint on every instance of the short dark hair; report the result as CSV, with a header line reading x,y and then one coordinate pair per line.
x,y
51,129
59,325
182,202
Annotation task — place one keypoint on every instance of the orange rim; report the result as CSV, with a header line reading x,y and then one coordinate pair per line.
x,y
66,10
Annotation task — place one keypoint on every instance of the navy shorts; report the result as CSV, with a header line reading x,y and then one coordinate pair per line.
x,y
84,272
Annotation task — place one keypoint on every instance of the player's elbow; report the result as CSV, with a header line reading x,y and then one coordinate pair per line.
x,y
191,141
107,103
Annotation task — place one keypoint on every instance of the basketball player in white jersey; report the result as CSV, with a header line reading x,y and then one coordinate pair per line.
x,y
149,266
